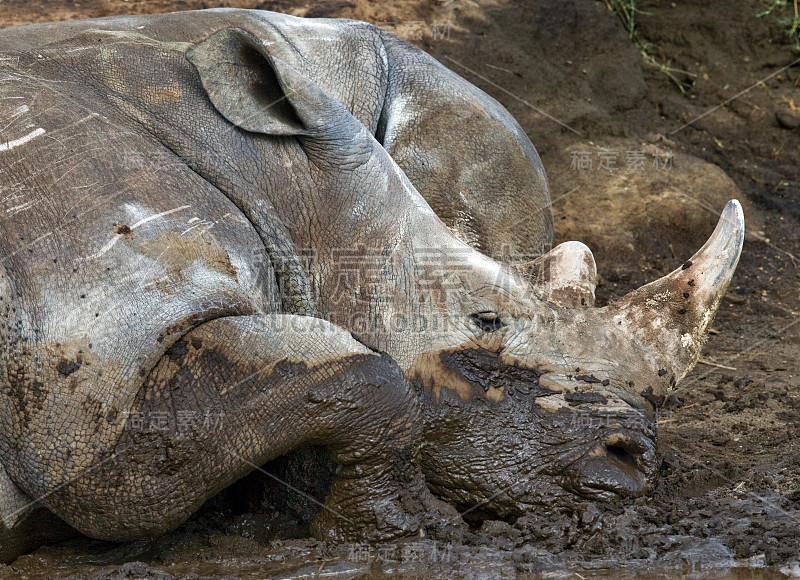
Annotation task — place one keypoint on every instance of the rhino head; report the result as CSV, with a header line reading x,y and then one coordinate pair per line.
x,y
532,395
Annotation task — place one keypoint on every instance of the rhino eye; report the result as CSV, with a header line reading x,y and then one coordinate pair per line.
x,y
488,321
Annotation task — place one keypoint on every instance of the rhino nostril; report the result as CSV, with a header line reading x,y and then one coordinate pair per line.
x,y
622,455
630,452
621,462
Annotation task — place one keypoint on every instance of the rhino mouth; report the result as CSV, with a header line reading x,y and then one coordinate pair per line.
x,y
622,463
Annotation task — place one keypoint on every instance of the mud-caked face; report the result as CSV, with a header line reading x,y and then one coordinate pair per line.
x,y
531,396
500,440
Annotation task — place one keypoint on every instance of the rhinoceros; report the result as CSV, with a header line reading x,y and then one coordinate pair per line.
x,y
230,233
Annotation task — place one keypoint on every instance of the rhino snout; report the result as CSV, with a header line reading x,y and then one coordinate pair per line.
x,y
621,462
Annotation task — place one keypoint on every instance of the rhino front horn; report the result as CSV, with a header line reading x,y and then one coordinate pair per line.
x,y
668,318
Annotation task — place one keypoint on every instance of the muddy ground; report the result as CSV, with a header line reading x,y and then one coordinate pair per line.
x,y
729,492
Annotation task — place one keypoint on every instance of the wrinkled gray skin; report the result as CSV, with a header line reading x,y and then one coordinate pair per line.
x,y
209,260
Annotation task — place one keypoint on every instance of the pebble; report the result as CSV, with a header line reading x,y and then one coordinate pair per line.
x,y
788,118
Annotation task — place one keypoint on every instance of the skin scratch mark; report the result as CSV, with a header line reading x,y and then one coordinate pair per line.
x,y
18,208
200,222
18,112
141,222
183,233
8,145
158,215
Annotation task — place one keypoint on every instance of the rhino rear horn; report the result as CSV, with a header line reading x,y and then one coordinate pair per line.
x,y
669,318
258,92
566,275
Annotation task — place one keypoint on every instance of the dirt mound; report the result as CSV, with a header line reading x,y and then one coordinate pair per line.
x,y
641,206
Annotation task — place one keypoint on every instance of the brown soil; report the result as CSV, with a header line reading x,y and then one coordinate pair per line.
x,y
730,438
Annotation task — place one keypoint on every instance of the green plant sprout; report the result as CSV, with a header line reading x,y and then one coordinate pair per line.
x,y
791,23
626,11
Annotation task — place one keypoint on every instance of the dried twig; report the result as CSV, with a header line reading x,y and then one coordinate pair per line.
x,y
713,364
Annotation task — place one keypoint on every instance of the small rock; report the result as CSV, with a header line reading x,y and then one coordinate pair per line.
x,y
497,528
590,515
719,438
788,117
671,461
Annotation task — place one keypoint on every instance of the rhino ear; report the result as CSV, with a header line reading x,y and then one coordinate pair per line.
x,y
566,275
255,90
